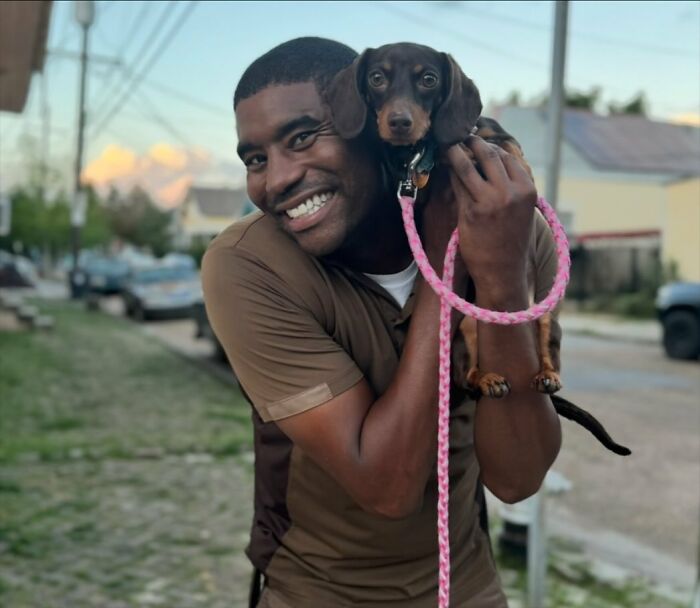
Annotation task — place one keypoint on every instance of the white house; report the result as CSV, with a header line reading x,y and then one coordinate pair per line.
x,y
207,211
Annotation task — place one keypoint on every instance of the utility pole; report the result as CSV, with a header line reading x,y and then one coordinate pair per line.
x,y
84,15
537,531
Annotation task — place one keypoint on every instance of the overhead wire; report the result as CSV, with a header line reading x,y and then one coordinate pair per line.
x,y
461,35
136,80
140,18
140,56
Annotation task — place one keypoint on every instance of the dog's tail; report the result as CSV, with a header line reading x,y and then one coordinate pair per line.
x,y
568,410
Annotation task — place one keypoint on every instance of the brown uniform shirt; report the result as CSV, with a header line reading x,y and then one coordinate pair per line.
x,y
299,331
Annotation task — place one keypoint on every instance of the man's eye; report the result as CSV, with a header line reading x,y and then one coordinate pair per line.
x,y
377,79
302,138
254,161
429,80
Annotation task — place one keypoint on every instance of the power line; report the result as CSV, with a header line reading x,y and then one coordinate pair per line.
x,y
154,114
166,41
524,23
132,32
150,40
459,35
187,98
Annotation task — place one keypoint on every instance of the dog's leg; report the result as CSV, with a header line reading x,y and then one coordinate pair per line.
x,y
489,384
547,380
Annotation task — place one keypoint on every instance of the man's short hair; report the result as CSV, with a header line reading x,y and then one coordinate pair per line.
x,y
306,59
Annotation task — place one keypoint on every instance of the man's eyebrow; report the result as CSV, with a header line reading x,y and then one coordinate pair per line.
x,y
305,121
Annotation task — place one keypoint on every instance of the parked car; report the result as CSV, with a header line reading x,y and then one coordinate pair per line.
x,y
678,308
161,290
105,275
204,330
16,271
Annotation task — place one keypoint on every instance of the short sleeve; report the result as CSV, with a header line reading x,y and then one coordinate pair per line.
x,y
284,359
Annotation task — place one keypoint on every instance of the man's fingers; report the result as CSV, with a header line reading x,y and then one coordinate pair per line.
x,y
514,167
464,171
489,157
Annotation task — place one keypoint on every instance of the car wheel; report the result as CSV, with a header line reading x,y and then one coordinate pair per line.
x,y
681,335
139,314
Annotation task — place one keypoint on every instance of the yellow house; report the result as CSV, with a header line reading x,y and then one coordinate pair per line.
x,y
682,231
207,211
626,182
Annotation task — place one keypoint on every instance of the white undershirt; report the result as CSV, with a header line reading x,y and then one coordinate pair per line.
x,y
400,284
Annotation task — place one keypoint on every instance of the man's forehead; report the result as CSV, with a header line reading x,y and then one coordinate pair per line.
x,y
276,105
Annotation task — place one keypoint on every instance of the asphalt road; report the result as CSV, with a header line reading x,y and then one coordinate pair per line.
x,y
652,405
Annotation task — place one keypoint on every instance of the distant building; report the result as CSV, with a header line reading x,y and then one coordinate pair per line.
x,y
627,183
207,211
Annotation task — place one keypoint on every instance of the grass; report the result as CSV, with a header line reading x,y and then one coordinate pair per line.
x,y
96,387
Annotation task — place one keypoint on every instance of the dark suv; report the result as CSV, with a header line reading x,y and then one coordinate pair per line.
x,y
678,307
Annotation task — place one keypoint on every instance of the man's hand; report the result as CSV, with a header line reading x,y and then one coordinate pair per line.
x,y
495,215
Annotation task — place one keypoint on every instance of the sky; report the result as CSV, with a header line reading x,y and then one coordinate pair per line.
x,y
162,74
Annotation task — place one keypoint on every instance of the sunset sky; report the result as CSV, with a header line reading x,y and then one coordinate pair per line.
x,y
173,125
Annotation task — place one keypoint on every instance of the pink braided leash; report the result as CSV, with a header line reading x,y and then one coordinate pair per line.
x,y
449,300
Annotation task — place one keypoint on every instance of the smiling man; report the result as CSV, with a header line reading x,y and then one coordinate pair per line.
x,y
334,339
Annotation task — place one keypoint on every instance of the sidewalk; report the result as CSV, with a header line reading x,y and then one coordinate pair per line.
x,y
645,331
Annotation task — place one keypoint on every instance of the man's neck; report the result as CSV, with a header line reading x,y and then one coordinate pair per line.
x,y
378,246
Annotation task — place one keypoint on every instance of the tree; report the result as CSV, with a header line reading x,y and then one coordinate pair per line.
x,y
637,106
137,220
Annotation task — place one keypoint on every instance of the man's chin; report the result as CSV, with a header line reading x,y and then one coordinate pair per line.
x,y
317,243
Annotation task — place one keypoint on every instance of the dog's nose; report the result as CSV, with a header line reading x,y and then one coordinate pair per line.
x,y
400,122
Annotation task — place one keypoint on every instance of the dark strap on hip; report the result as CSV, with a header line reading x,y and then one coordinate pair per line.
x,y
255,588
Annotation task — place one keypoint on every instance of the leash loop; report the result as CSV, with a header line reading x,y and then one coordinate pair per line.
x,y
483,314
448,301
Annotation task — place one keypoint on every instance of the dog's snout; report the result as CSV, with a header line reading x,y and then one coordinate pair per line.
x,y
400,122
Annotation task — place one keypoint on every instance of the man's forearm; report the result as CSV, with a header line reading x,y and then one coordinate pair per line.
x,y
518,436
398,440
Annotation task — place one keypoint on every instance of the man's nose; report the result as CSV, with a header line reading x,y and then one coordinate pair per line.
x,y
283,173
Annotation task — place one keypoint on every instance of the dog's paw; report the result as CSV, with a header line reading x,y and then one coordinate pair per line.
x,y
494,386
547,382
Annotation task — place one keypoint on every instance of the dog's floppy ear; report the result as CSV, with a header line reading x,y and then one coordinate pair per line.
x,y
345,96
457,115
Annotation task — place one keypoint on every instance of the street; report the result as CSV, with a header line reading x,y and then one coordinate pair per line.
x,y
650,404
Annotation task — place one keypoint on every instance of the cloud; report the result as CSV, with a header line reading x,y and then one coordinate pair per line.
x,y
689,118
165,172
114,163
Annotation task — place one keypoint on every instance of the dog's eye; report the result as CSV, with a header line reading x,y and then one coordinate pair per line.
x,y
429,80
377,79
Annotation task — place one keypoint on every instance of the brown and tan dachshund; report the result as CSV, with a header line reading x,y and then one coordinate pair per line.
x,y
414,96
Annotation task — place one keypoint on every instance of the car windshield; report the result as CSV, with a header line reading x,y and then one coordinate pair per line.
x,y
163,275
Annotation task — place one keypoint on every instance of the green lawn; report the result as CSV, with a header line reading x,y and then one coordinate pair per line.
x,y
96,387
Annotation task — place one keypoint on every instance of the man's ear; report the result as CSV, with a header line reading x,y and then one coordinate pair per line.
x,y
346,98
457,115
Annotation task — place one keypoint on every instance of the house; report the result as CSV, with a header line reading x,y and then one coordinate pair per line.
x,y
628,185
207,211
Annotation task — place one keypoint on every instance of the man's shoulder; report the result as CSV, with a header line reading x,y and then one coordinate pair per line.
x,y
256,250
255,236
244,233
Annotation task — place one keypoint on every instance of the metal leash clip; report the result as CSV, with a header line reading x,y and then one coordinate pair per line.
x,y
407,187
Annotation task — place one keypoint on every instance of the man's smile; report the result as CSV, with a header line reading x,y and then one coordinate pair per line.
x,y
309,212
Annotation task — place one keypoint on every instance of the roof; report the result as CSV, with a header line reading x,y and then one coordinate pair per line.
x,y
220,202
23,31
634,143
622,143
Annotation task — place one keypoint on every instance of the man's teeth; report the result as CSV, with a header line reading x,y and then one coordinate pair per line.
x,y
310,205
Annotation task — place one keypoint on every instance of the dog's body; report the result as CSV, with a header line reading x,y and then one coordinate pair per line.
x,y
421,98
